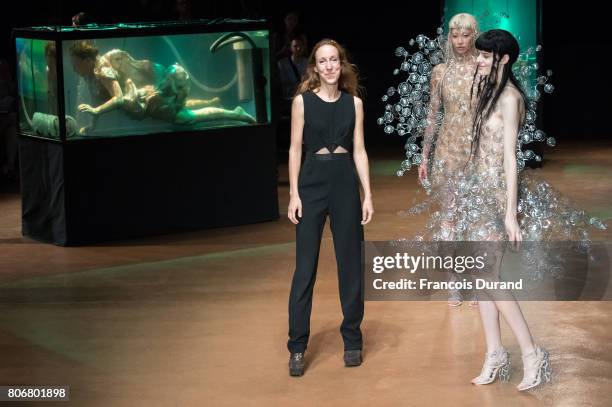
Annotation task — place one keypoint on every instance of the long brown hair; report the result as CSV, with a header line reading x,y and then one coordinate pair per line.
x,y
84,49
349,76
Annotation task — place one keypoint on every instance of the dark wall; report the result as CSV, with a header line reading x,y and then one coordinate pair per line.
x,y
575,46
578,50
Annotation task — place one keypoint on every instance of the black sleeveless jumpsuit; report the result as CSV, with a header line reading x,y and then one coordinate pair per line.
x,y
328,185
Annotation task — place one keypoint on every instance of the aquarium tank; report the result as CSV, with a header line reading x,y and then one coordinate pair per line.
x,y
135,79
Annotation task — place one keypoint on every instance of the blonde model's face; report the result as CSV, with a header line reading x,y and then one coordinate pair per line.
x,y
461,39
327,64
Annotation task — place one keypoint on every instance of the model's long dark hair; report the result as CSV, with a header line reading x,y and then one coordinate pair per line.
x,y
499,43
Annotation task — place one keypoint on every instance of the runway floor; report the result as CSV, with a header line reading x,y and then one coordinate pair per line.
x,y
200,319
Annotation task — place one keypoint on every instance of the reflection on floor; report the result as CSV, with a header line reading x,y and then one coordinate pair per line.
x,y
200,319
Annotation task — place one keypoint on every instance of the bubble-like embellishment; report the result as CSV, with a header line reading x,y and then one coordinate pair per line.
x,y
416,96
526,138
530,116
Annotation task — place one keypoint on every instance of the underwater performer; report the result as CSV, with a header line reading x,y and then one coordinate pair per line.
x,y
114,80
168,101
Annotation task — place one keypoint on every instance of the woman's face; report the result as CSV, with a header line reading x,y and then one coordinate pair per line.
x,y
461,39
327,64
484,62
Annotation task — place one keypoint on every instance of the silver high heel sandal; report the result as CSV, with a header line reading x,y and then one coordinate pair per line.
x,y
536,370
497,364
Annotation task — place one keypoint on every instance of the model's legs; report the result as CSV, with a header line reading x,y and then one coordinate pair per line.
x,y
489,316
497,360
513,315
189,116
197,103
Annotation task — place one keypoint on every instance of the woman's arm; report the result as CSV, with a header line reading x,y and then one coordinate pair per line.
x,y
116,100
435,105
361,163
295,157
510,110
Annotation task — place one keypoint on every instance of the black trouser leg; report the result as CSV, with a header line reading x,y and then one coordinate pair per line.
x,y
313,188
345,222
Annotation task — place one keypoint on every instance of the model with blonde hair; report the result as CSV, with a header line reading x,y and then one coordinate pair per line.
x,y
448,137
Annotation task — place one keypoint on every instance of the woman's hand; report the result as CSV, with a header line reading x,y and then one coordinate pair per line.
x,y
513,230
85,108
295,204
423,172
367,210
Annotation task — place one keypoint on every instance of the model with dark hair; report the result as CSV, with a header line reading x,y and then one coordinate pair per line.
x,y
499,114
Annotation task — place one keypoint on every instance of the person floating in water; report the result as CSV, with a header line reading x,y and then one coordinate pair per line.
x,y
142,89
169,101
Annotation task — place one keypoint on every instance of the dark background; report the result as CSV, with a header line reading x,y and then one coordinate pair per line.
x,y
575,46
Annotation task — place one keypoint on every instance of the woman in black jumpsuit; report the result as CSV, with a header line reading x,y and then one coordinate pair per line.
x,y
327,118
